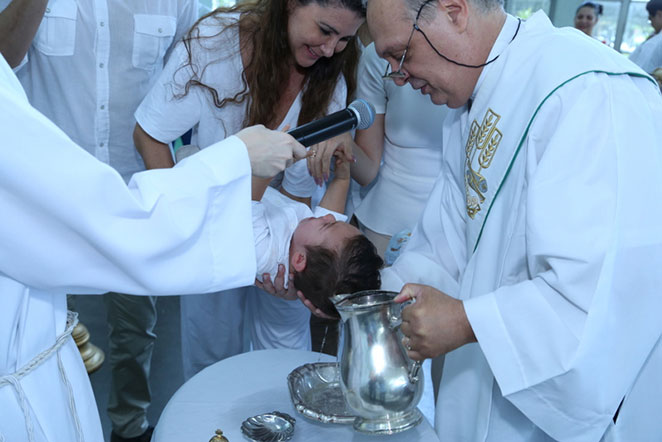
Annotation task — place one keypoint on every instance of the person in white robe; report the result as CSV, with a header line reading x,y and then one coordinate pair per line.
x,y
87,69
534,267
71,225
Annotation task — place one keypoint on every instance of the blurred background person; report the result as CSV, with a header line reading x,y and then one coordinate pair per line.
x,y
648,55
587,16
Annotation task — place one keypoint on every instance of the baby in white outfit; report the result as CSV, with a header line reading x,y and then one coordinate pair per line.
x,y
326,255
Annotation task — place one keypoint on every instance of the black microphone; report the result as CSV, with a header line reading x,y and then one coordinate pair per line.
x,y
359,115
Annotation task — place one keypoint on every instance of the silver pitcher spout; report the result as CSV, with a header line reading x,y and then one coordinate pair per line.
x,y
337,299
380,382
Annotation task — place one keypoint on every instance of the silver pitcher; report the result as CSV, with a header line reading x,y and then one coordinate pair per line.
x,y
381,384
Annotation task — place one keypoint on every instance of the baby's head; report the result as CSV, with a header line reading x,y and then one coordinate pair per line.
x,y
329,258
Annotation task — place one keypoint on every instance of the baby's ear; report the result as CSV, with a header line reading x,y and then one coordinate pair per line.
x,y
299,261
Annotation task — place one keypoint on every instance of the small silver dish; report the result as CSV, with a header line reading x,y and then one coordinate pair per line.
x,y
316,393
269,427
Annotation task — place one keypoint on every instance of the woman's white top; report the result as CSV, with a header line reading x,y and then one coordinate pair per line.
x,y
165,115
412,149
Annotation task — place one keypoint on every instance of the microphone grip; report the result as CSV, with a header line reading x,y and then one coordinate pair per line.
x,y
328,127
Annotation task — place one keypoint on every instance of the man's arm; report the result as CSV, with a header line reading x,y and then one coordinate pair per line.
x,y
18,25
156,155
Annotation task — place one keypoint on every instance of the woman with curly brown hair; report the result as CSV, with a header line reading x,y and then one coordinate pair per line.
x,y
269,62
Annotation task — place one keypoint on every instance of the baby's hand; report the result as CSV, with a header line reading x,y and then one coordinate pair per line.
x,y
342,164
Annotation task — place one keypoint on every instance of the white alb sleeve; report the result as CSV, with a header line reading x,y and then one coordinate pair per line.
x,y
71,224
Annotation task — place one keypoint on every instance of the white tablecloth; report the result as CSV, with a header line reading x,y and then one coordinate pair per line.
x,y
226,393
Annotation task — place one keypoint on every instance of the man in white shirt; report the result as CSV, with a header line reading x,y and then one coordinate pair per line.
x,y
648,55
87,69
58,236
540,244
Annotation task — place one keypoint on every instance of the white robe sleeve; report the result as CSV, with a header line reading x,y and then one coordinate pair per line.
x,y
69,223
566,345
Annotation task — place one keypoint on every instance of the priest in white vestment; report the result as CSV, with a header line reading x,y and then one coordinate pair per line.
x,y
71,225
536,264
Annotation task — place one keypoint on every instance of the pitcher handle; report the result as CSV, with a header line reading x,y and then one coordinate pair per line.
x,y
395,321
414,370
395,318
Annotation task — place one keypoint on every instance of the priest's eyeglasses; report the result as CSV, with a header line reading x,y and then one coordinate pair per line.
x,y
400,75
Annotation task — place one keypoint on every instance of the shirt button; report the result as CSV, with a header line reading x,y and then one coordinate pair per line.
x,y
48,10
160,30
101,144
101,24
102,107
101,65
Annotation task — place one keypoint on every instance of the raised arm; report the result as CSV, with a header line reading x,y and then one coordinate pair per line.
x,y
368,154
335,196
18,25
156,155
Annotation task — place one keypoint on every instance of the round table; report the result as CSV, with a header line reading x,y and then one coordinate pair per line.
x,y
224,394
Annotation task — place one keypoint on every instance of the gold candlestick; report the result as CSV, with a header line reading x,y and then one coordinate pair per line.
x,y
92,355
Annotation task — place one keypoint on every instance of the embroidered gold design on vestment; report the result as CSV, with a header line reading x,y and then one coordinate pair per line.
x,y
481,146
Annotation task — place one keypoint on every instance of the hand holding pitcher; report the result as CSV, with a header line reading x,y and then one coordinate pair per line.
x,y
434,324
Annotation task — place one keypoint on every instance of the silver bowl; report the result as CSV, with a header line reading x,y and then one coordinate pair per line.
x,y
316,393
269,427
